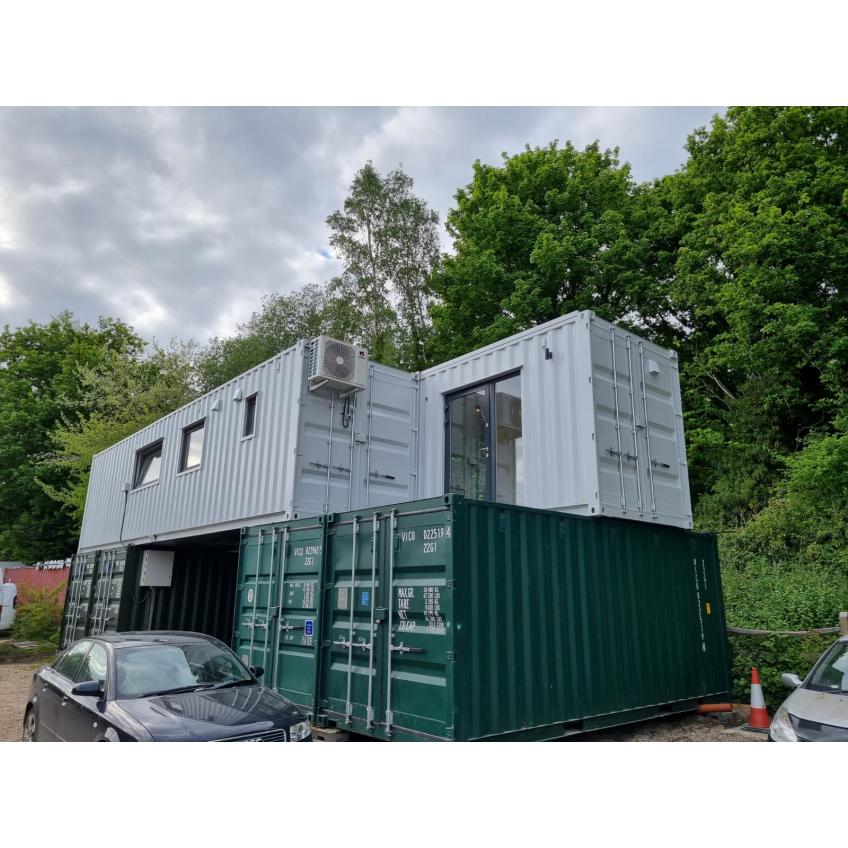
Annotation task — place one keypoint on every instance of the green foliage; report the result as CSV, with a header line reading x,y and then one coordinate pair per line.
x,y
123,393
771,656
551,230
40,383
760,216
387,240
40,618
280,322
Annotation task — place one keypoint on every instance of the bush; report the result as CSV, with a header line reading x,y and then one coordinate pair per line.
x,y
40,618
772,594
771,656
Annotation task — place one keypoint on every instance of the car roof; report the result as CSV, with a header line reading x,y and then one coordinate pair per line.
x,y
158,637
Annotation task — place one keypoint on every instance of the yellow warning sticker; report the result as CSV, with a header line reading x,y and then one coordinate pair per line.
x,y
709,610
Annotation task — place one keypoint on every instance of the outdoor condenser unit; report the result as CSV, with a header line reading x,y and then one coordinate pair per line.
x,y
337,365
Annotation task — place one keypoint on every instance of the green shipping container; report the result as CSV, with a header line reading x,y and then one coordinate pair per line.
x,y
453,619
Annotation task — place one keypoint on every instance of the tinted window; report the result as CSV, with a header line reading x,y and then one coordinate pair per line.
x,y
250,416
68,664
93,666
192,451
147,463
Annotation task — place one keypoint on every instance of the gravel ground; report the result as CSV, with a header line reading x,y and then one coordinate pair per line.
x,y
718,727
15,680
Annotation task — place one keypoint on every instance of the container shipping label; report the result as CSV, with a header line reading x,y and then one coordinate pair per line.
x,y
419,609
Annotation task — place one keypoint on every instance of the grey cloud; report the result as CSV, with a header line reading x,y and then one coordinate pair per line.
x,y
178,220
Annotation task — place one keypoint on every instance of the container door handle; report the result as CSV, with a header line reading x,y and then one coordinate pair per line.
x,y
404,649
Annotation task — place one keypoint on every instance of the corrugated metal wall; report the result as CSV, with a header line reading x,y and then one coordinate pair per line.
x,y
280,471
38,579
568,420
200,598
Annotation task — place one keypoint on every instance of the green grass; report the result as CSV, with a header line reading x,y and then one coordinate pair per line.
x,y
39,653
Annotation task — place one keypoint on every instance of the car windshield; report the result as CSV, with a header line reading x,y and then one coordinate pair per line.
x,y
831,674
157,669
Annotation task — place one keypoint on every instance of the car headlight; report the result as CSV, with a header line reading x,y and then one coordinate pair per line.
x,y
298,732
781,729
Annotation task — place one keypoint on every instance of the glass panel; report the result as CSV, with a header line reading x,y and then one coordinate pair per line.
x,y
509,451
249,415
148,466
469,452
68,665
160,668
193,450
94,667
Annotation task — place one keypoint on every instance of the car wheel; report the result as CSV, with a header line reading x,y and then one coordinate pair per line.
x,y
30,726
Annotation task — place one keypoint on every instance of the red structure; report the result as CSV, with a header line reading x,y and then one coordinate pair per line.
x,y
34,579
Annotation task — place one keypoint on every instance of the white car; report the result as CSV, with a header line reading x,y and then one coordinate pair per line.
x,y
817,711
8,602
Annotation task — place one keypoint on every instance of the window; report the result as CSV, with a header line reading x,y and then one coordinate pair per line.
x,y
192,451
68,664
94,666
249,416
484,443
147,463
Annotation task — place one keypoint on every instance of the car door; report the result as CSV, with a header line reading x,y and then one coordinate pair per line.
x,y
83,714
55,683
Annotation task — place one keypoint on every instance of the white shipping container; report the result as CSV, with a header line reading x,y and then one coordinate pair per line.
x,y
573,415
601,427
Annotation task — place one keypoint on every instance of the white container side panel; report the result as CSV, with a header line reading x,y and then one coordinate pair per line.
x,y
638,428
240,480
358,451
559,470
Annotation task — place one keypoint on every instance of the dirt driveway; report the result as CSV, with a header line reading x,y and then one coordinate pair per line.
x,y
16,668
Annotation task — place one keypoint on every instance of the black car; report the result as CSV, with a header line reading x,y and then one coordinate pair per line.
x,y
156,687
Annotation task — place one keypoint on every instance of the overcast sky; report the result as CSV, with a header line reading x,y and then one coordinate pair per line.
x,y
179,220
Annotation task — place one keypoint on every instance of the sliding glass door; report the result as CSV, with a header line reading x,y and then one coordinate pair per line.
x,y
483,441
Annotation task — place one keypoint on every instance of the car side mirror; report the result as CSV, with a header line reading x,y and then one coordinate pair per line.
x,y
257,670
791,680
93,688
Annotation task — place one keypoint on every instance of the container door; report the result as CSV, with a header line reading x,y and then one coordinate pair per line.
x,y
106,591
253,636
352,642
388,668
292,666
78,598
277,607
418,659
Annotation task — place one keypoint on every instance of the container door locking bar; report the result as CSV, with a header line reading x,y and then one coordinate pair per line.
x,y
369,713
404,649
349,643
391,590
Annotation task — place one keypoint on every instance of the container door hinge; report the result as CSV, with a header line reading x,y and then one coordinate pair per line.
x,y
450,656
450,583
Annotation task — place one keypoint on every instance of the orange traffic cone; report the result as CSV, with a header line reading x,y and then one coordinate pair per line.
x,y
759,719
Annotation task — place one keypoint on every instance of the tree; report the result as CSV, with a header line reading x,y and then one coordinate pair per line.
x,y
122,393
39,381
761,216
388,242
551,230
281,321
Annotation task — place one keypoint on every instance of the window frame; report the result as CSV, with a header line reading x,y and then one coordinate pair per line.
x,y
490,384
78,678
200,424
254,399
87,643
140,454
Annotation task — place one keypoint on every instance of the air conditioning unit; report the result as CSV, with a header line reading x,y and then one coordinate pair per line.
x,y
337,365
